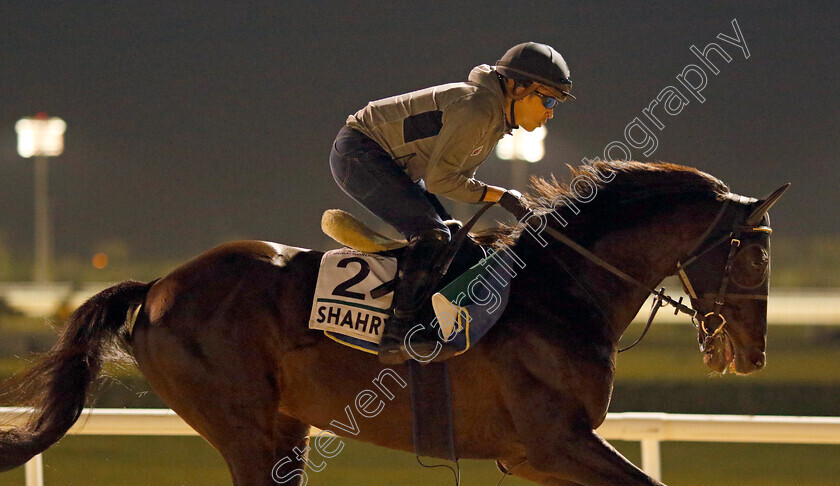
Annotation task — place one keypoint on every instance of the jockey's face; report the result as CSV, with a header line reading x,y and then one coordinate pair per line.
x,y
531,111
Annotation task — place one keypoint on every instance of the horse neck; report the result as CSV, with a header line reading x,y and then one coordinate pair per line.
x,y
648,251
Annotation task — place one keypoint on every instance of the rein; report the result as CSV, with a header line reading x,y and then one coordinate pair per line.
x,y
660,298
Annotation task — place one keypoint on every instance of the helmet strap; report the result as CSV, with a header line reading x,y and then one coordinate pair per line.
x,y
512,114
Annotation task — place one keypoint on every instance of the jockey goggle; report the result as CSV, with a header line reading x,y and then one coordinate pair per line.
x,y
549,102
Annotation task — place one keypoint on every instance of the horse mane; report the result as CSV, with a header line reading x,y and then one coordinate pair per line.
x,y
628,182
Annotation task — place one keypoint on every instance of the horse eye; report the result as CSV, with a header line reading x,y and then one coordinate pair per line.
x,y
759,264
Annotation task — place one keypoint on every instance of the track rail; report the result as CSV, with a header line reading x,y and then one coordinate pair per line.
x,y
650,429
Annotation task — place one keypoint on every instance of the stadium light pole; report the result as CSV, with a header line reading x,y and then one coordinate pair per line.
x,y
522,148
40,137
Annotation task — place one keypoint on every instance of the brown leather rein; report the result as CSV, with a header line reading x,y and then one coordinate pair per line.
x,y
661,299
700,321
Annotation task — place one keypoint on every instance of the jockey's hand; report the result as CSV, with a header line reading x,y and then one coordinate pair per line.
x,y
514,203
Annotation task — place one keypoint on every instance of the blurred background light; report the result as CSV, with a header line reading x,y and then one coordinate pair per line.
x,y
40,136
523,145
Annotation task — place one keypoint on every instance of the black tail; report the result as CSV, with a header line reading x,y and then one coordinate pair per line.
x,y
56,387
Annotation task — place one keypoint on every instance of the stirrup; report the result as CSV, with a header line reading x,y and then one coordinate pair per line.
x,y
392,353
391,349
447,350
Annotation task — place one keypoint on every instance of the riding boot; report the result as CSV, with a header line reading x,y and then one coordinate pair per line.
x,y
417,274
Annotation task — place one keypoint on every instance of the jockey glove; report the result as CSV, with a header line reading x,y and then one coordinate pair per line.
x,y
514,203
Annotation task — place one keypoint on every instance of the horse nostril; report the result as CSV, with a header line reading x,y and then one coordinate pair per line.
x,y
757,360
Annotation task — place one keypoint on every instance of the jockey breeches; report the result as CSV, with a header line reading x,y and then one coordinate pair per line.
x,y
369,175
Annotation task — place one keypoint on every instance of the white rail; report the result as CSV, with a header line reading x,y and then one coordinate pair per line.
x,y
648,428
788,306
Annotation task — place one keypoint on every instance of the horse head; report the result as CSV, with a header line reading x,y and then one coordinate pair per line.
x,y
727,278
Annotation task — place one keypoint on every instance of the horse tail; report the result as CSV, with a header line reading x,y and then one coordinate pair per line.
x,y
56,387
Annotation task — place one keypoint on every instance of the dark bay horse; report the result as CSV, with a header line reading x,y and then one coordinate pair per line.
x,y
223,339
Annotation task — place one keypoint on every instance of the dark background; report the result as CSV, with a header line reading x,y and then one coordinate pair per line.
x,y
198,123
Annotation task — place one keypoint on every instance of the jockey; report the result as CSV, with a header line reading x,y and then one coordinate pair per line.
x,y
395,155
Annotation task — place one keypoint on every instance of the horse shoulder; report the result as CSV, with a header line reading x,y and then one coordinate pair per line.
x,y
558,369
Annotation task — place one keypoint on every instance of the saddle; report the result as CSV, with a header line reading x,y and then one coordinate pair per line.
x,y
469,300
345,229
472,296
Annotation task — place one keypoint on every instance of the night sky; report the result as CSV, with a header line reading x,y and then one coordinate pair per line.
x,y
206,122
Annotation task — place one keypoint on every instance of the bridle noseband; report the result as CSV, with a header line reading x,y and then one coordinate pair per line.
x,y
734,235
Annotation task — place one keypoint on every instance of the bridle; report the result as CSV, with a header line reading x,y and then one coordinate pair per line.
x,y
735,210
738,231
734,232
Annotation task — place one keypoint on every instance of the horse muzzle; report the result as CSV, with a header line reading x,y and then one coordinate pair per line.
x,y
723,354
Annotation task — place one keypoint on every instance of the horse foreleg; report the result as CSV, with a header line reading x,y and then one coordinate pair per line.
x,y
559,439
522,468
583,457
588,458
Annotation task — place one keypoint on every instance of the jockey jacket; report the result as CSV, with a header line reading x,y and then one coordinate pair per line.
x,y
440,134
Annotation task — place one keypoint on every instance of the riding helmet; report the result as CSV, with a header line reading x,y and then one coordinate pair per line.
x,y
532,61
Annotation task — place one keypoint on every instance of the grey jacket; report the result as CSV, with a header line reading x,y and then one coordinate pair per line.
x,y
440,134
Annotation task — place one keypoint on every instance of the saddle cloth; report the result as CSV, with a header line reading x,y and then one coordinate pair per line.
x,y
465,309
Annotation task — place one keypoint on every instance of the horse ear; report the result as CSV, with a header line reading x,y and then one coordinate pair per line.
x,y
765,204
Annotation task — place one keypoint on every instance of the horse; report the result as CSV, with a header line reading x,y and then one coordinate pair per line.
x,y
223,339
